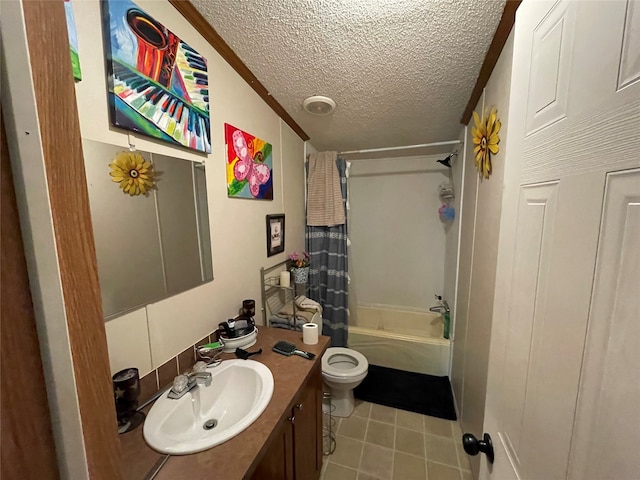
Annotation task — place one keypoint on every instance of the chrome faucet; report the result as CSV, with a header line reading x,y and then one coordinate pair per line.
x,y
442,308
187,382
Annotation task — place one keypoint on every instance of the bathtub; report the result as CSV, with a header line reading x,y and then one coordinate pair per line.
x,y
403,339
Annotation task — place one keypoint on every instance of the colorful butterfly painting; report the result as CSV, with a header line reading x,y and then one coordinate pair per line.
x,y
249,163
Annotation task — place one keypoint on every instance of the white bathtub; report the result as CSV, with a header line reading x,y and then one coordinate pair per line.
x,y
402,339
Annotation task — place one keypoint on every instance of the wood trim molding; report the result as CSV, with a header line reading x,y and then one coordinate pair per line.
x,y
491,58
57,111
26,421
193,16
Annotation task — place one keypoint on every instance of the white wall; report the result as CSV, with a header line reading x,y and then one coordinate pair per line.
x,y
397,239
148,337
478,259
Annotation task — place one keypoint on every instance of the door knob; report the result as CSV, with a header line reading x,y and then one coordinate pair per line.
x,y
472,445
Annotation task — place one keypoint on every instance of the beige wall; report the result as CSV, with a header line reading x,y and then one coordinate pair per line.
x,y
478,257
146,338
397,239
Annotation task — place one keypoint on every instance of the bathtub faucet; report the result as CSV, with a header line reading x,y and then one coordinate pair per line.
x,y
442,308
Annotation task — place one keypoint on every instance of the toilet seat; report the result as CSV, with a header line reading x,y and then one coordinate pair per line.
x,y
339,370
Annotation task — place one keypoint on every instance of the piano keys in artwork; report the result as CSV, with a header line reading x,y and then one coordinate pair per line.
x,y
193,77
182,121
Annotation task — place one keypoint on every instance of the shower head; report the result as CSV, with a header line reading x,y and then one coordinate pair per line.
x,y
447,160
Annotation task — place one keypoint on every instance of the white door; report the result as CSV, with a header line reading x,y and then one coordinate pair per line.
x,y
564,374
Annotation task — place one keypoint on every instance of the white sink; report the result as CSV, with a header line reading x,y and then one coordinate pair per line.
x,y
237,396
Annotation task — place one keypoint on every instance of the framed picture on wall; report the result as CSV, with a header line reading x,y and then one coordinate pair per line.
x,y
275,234
73,40
249,165
158,84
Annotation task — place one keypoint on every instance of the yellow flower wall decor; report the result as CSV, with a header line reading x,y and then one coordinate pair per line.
x,y
486,139
132,172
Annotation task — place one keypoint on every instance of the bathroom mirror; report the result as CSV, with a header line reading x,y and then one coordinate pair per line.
x,y
151,246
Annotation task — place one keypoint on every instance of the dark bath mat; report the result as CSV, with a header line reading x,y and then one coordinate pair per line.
x,y
415,392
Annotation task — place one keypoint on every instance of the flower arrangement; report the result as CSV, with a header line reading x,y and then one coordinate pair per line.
x,y
298,260
299,266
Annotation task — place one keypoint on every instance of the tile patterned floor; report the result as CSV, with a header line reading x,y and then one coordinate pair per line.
x,y
383,443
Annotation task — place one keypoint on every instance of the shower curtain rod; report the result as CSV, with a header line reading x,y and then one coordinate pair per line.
x,y
389,149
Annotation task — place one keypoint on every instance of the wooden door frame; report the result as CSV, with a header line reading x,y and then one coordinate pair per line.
x,y
60,144
26,423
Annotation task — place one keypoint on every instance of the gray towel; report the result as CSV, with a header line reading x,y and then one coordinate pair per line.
x,y
324,197
277,321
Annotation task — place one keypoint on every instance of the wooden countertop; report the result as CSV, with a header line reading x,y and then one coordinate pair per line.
x,y
238,457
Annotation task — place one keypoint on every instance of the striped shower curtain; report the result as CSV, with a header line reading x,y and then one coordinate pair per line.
x,y
328,273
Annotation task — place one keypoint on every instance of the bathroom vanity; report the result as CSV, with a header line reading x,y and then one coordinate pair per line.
x,y
284,443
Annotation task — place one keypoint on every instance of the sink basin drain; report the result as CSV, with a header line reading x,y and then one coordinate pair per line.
x,y
210,424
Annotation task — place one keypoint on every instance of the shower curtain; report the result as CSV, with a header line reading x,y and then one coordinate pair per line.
x,y
328,273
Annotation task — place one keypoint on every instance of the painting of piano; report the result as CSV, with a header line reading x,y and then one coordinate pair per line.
x,y
249,163
158,85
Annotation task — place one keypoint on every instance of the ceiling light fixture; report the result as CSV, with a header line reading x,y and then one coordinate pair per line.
x,y
319,105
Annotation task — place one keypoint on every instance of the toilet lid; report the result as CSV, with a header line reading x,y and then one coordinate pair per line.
x,y
343,362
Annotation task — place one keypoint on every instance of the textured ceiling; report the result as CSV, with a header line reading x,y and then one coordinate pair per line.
x,y
400,71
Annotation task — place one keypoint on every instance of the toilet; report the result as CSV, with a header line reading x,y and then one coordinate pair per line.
x,y
343,369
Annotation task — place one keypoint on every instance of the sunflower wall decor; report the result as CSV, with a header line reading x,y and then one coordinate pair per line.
x,y
132,172
486,140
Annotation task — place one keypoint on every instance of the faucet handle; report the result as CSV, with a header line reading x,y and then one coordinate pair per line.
x,y
199,366
180,383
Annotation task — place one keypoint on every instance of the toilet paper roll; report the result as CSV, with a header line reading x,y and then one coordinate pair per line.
x,y
310,333
285,279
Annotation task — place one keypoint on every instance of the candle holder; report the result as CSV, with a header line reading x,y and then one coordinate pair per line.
x,y
126,390
249,308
